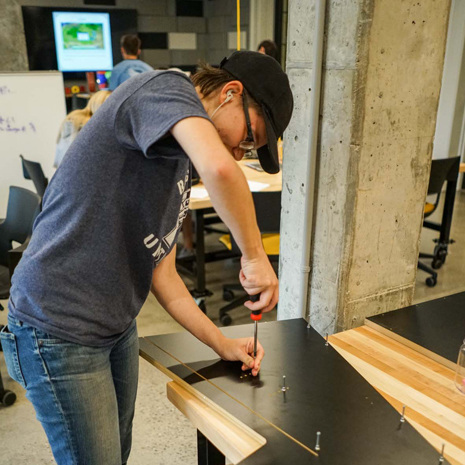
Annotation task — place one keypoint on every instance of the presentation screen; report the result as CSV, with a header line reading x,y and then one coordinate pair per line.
x,y
82,41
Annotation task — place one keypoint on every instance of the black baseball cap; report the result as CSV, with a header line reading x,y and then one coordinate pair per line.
x,y
266,82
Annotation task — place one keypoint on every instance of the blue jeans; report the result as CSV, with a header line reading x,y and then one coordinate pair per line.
x,y
83,396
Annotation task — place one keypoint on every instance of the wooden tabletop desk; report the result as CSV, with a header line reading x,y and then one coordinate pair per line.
x,y
258,181
273,181
462,168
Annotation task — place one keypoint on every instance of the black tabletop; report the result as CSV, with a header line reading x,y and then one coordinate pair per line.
x,y
437,326
324,393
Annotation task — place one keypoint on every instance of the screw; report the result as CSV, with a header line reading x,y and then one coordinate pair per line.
x,y
317,445
327,341
402,417
441,458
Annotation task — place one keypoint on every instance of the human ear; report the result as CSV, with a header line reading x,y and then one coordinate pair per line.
x,y
234,87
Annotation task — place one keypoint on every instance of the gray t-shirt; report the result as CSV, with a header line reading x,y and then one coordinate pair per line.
x,y
110,214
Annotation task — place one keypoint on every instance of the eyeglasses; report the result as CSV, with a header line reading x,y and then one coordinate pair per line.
x,y
249,143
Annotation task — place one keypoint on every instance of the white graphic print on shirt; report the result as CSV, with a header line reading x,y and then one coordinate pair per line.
x,y
160,247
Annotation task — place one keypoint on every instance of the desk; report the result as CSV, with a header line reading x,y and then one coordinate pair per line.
x,y
201,207
462,168
322,393
274,182
435,328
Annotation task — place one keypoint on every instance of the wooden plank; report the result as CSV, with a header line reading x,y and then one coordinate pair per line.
x,y
235,439
405,377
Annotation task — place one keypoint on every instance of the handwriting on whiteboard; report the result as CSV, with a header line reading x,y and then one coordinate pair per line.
x,y
4,90
9,124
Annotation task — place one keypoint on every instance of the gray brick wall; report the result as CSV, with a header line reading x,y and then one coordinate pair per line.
x,y
221,19
160,16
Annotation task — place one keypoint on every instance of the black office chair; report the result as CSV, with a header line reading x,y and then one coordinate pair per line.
x,y
23,207
268,211
442,170
33,171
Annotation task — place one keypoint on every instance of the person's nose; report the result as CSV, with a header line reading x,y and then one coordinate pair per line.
x,y
238,153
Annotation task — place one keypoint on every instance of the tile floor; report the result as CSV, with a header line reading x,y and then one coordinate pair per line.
x,y
162,436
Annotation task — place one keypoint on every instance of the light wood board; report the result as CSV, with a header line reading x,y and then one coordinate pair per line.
x,y
405,377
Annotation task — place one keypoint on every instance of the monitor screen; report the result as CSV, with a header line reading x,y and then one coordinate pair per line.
x,y
82,41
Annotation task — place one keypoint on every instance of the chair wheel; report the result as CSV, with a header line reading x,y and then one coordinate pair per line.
x,y
431,282
436,264
228,295
225,320
8,398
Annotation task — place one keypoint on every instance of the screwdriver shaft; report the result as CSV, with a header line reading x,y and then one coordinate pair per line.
x,y
255,339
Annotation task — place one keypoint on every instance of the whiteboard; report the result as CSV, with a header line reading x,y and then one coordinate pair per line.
x,y
32,108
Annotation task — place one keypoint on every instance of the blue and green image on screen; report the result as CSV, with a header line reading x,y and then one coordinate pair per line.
x,y
82,36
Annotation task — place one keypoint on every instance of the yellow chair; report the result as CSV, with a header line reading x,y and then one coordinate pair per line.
x,y
268,211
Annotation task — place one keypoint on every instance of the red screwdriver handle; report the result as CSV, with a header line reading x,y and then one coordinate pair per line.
x,y
256,315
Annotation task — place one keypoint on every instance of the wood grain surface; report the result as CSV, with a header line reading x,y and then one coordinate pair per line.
x,y
404,376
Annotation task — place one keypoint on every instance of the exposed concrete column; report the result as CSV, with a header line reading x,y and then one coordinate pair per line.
x,y
14,55
381,84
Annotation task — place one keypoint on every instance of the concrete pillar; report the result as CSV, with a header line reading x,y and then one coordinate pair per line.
x,y
382,76
14,55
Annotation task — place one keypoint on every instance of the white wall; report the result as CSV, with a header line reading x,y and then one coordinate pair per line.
x,y
451,102
261,23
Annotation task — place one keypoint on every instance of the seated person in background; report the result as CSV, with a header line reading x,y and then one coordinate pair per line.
x,y
268,47
74,122
131,65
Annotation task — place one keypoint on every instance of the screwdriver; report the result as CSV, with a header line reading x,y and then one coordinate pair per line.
x,y
256,316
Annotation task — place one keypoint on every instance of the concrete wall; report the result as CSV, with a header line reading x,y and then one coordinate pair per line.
x,y
14,55
381,83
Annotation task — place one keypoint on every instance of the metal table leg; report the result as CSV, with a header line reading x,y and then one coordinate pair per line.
x,y
207,453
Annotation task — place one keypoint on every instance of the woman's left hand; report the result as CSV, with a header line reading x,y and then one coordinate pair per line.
x,y
242,350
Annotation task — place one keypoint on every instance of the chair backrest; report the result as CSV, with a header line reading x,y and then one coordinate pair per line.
x,y
32,170
268,212
23,207
442,170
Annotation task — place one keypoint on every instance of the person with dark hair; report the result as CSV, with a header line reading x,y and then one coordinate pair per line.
x,y
131,65
268,47
106,237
